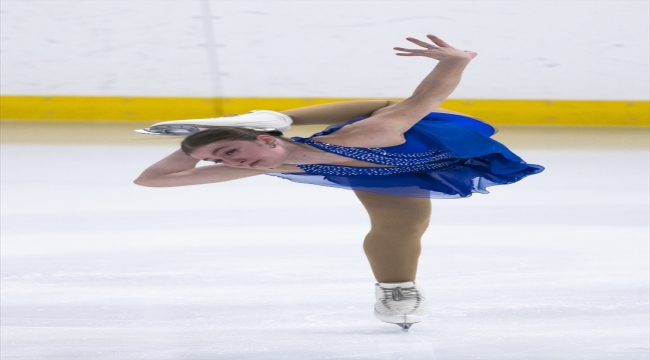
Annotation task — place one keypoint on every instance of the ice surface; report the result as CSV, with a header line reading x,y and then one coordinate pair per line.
x,y
94,267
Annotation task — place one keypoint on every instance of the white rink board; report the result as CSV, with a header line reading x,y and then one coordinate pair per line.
x,y
573,50
93,267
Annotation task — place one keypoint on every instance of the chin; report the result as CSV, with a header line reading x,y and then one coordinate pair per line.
x,y
269,165
272,162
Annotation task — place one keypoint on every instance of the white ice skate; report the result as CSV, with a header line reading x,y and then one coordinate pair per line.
x,y
258,119
400,303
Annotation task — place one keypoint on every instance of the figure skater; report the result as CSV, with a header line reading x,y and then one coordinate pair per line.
x,y
395,156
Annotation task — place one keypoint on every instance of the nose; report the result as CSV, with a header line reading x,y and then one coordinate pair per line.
x,y
235,162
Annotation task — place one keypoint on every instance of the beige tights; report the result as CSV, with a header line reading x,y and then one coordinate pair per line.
x,y
336,113
396,223
396,226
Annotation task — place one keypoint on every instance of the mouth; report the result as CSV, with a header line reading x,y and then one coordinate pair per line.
x,y
254,164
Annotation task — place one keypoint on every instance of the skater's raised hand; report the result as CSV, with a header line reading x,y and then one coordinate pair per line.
x,y
438,50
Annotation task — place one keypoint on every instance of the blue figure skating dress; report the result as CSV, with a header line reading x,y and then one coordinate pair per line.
x,y
444,156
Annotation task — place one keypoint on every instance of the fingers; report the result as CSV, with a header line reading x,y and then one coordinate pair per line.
x,y
420,42
436,40
430,50
409,50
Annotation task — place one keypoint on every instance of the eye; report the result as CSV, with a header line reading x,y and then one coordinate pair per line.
x,y
217,161
230,152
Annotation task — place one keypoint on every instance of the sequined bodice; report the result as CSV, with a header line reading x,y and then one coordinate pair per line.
x,y
444,156
399,162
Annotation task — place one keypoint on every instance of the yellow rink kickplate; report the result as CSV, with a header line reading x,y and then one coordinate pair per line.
x,y
498,112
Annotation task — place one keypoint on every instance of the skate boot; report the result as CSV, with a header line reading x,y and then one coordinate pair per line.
x,y
400,303
258,119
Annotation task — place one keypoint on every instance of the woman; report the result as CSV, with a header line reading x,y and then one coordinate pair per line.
x,y
395,156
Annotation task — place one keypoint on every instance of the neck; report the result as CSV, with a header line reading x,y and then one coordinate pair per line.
x,y
305,154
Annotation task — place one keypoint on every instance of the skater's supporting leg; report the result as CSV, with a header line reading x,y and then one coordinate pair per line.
x,y
336,113
393,243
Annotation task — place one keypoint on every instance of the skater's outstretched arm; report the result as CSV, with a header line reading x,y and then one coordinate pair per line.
x,y
436,87
179,169
387,128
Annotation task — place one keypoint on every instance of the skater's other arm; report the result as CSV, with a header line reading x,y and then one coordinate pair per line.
x,y
179,169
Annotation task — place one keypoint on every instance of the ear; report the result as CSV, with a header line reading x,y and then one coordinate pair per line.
x,y
266,138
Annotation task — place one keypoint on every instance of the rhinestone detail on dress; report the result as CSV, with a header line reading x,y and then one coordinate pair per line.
x,y
380,155
402,162
319,169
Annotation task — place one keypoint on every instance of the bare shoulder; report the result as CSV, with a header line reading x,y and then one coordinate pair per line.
x,y
286,168
364,134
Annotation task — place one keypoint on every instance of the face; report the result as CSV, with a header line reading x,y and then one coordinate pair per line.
x,y
266,152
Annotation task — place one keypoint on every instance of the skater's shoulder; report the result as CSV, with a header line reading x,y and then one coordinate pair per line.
x,y
286,168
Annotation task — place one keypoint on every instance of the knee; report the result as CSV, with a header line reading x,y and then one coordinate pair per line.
x,y
413,226
392,244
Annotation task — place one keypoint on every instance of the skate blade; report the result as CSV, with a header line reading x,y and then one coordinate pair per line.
x,y
170,130
186,130
404,326
147,132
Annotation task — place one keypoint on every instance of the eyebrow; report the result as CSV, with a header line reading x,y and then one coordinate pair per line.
x,y
214,152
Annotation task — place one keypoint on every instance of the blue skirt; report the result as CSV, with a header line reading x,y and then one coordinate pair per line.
x,y
461,159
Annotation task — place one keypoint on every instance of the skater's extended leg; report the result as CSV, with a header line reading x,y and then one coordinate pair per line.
x,y
336,113
393,243
341,112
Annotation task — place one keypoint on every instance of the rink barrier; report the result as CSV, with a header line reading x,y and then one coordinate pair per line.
x,y
498,112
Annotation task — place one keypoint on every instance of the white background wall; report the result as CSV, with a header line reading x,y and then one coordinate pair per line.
x,y
527,49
